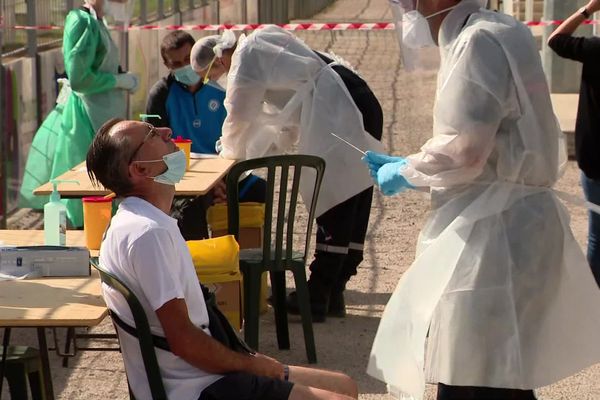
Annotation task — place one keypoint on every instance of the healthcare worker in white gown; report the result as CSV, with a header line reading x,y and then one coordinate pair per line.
x,y
498,280
279,93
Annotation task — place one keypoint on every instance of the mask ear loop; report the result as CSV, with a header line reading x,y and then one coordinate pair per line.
x,y
206,79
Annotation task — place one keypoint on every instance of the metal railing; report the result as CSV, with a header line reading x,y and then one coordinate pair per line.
x,y
29,66
17,42
53,13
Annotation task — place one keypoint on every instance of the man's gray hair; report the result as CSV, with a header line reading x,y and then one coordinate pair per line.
x,y
107,159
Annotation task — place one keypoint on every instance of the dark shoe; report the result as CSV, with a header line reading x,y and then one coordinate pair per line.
x,y
337,305
316,309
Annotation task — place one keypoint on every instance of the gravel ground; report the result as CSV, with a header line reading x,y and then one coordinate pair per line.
x,y
344,344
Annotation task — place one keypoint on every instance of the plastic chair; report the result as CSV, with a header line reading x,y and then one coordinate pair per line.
x,y
277,254
23,364
143,333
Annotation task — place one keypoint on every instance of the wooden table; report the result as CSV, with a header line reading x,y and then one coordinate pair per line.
x,y
202,176
49,302
36,237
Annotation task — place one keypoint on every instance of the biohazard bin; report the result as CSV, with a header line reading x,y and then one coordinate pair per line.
x,y
252,220
217,265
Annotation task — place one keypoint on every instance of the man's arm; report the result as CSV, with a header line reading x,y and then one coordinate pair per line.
x,y
575,48
150,256
469,108
244,101
202,351
157,103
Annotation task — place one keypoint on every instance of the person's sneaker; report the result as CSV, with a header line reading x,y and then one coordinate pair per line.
x,y
337,305
317,309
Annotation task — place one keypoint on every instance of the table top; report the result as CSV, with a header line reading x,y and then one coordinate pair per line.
x,y
36,237
202,175
63,302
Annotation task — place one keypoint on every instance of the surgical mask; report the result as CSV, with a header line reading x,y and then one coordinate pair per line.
x,y
186,75
415,29
176,165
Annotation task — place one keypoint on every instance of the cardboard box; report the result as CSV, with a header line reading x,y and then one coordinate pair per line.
x,y
250,238
227,289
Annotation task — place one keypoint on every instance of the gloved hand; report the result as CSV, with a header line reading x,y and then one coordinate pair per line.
x,y
375,160
128,81
390,180
386,171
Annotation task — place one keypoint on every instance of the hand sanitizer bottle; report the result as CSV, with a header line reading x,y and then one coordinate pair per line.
x,y
55,218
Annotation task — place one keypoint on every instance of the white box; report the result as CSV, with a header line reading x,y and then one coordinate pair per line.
x,y
45,261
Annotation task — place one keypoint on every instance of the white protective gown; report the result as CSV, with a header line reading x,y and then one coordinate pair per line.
x,y
498,280
303,93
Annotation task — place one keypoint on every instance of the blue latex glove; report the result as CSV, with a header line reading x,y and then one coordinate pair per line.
x,y
385,170
375,160
390,179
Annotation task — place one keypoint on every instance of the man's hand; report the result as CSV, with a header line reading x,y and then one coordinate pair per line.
x,y
220,192
266,366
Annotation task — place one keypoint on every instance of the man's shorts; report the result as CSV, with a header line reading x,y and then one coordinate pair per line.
x,y
243,386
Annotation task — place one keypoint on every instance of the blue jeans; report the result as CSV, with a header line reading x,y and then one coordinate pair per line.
x,y
591,188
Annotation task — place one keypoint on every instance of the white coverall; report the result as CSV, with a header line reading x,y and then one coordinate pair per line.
x,y
303,93
498,280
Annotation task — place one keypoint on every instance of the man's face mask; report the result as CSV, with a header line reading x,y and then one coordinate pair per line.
x,y
415,29
186,75
176,164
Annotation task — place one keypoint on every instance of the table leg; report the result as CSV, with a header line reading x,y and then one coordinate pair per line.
x,y
47,377
5,342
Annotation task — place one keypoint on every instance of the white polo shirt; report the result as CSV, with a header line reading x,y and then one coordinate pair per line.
x,y
144,248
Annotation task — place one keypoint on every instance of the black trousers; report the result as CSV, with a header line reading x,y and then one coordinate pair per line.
x,y
342,229
447,392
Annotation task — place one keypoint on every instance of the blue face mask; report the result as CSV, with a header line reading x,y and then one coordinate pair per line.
x,y
176,165
186,75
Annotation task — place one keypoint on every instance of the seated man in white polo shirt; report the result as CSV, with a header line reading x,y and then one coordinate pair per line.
x,y
144,248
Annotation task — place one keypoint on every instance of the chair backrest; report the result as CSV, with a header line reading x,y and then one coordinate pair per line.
x,y
277,167
143,330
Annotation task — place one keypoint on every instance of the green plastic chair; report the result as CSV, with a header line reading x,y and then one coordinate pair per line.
x,y
277,254
23,364
143,333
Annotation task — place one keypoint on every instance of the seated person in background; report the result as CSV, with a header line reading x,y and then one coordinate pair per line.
x,y
144,248
194,110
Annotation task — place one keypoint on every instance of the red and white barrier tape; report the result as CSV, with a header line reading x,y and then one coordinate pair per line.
x,y
290,27
238,27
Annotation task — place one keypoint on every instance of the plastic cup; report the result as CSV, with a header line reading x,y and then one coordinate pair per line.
x,y
97,212
186,146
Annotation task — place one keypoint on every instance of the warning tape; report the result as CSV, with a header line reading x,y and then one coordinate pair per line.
x,y
290,27
237,27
